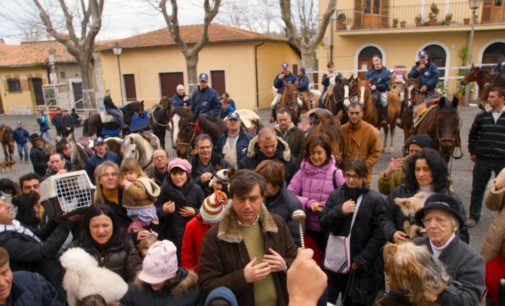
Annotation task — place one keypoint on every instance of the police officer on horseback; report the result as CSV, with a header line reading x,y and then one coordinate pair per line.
x,y
205,100
379,77
427,72
112,110
285,77
303,87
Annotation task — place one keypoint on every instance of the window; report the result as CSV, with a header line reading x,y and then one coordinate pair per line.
x,y
14,85
62,75
498,2
493,53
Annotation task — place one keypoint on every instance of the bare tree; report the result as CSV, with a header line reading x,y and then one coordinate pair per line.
x,y
79,40
190,54
257,16
309,33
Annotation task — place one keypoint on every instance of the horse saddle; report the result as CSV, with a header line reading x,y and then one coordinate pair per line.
x,y
421,112
106,117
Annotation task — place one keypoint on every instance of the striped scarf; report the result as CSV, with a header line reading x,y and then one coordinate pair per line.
x,y
18,228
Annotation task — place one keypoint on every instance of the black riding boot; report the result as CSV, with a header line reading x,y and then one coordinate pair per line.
x,y
273,119
383,115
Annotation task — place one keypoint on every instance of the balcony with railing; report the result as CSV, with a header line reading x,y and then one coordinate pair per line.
x,y
452,14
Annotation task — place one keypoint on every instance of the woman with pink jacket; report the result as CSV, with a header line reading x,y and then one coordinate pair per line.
x,y
312,184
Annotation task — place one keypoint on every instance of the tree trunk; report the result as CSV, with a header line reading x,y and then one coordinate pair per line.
x,y
308,62
191,65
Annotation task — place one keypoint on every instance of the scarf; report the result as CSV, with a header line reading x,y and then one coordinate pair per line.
x,y
111,195
18,228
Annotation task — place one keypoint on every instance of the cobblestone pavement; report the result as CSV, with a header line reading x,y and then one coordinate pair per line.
x,y
461,169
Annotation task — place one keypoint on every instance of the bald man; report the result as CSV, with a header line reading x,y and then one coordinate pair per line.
x,y
158,169
267,145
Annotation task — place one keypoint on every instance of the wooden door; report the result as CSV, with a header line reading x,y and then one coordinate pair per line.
x,y
77,91
371,16
493,11
169,82
218,81
129,86
37,91
1,105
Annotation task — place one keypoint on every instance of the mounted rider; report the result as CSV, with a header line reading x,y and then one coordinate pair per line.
x,y
379,77
285,77
303,87
327,80
205,100
112,110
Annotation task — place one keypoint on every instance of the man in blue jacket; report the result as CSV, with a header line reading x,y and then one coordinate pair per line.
x,y
427,72
20,136
285,77
205,100
233,143
303,87
379,78
101,155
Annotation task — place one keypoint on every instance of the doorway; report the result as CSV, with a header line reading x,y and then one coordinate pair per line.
x,y
129,85
38,94
169,82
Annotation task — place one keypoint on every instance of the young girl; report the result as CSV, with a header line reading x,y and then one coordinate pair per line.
x,y
139,194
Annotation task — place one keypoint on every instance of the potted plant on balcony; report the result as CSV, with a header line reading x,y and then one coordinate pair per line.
x,y
448,19
466,21
395,22
403,23
433,14
419,20
341,18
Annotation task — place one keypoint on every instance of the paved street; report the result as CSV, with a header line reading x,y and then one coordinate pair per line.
x,y
461,169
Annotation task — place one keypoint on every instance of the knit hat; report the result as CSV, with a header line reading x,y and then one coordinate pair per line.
x,y
422,140
179,163
221,293
180,86
213,207
160,263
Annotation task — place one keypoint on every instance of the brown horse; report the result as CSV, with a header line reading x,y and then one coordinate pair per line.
x,y
185,126
323,122
338,97
159,121
442,123
289,100
7,141
484,78
371,112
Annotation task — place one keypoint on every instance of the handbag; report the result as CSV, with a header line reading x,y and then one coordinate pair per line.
x,y
338,249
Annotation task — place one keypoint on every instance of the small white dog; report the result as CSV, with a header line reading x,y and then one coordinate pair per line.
x,y
83,277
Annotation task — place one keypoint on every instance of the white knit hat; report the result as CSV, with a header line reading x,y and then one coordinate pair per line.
x,y
180,86
160,263
213,207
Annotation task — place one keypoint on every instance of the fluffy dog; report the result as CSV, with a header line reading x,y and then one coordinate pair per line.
x,y
409,207
83,277
413,269
6,166
145,243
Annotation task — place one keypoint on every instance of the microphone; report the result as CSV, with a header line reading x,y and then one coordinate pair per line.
x,y
299,217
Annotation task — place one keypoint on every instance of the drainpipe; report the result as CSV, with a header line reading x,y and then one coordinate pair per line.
x,y
256,73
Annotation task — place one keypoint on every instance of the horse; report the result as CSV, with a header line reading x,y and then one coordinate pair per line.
x,y
289,100
93,125
483,77
159,118
371,112
7,141
185,126
135,146
442,123
323,122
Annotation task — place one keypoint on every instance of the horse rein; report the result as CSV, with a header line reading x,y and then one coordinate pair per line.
x,y
186,144
151,114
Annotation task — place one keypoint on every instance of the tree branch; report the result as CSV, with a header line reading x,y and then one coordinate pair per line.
x,y
69,23
323,24
210,13
291,31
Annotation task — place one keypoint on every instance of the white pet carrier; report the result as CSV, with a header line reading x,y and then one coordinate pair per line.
x,y
68,193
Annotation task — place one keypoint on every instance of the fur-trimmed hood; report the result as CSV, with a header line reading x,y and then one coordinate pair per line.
x,y
282,151
229,229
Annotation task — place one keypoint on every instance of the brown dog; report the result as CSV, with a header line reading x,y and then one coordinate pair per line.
x,y
6,166
409,208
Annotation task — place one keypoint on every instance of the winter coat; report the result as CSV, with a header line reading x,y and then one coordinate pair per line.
x,y
205,101
466,268
20,135
192,242
493,243
288,79
379,78
486,138
197,169
64,123
108,104
361,140
172,225
386,185
179,100
242,143
283,204
31,289
120,256
154,174
39,158
428,76
226,256
295,139
142,294
96,160
303,83
366,239
141,193
282,154
43,123
225,112
314,184
394,217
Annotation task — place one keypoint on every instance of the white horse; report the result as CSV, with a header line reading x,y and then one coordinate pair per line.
x,y
134,145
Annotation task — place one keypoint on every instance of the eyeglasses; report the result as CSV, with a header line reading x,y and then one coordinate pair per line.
x,y
352,176
110,175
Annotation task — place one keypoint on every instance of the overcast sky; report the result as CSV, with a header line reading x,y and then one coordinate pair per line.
x,y
121,18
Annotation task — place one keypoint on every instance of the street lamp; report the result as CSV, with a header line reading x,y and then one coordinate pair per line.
x,y
117,51
474,6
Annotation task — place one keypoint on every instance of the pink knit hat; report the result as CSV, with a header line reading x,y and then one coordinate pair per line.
x,y
213,207
179,163
160,263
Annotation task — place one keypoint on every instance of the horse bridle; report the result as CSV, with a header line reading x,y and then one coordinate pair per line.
x,y
151,113
455,140
186,144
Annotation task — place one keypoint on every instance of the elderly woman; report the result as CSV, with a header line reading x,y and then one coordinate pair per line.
x,y
426,172
441,218
181,98
354,212
109,192
101,238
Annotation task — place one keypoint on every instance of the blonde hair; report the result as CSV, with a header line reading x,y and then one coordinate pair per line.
x,y
99,171
131,164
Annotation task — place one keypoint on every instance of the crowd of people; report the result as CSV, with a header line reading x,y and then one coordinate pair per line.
x,y
223,227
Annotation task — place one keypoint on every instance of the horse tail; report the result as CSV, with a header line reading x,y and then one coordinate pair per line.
x,y
85,128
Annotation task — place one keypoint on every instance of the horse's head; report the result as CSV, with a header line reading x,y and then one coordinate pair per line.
x,y
183,131
448,125
129,148
471,76
291,94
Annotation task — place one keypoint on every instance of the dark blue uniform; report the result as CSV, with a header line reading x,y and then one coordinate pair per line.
x,y
303,83
428,76
279,83
379,78
205,101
